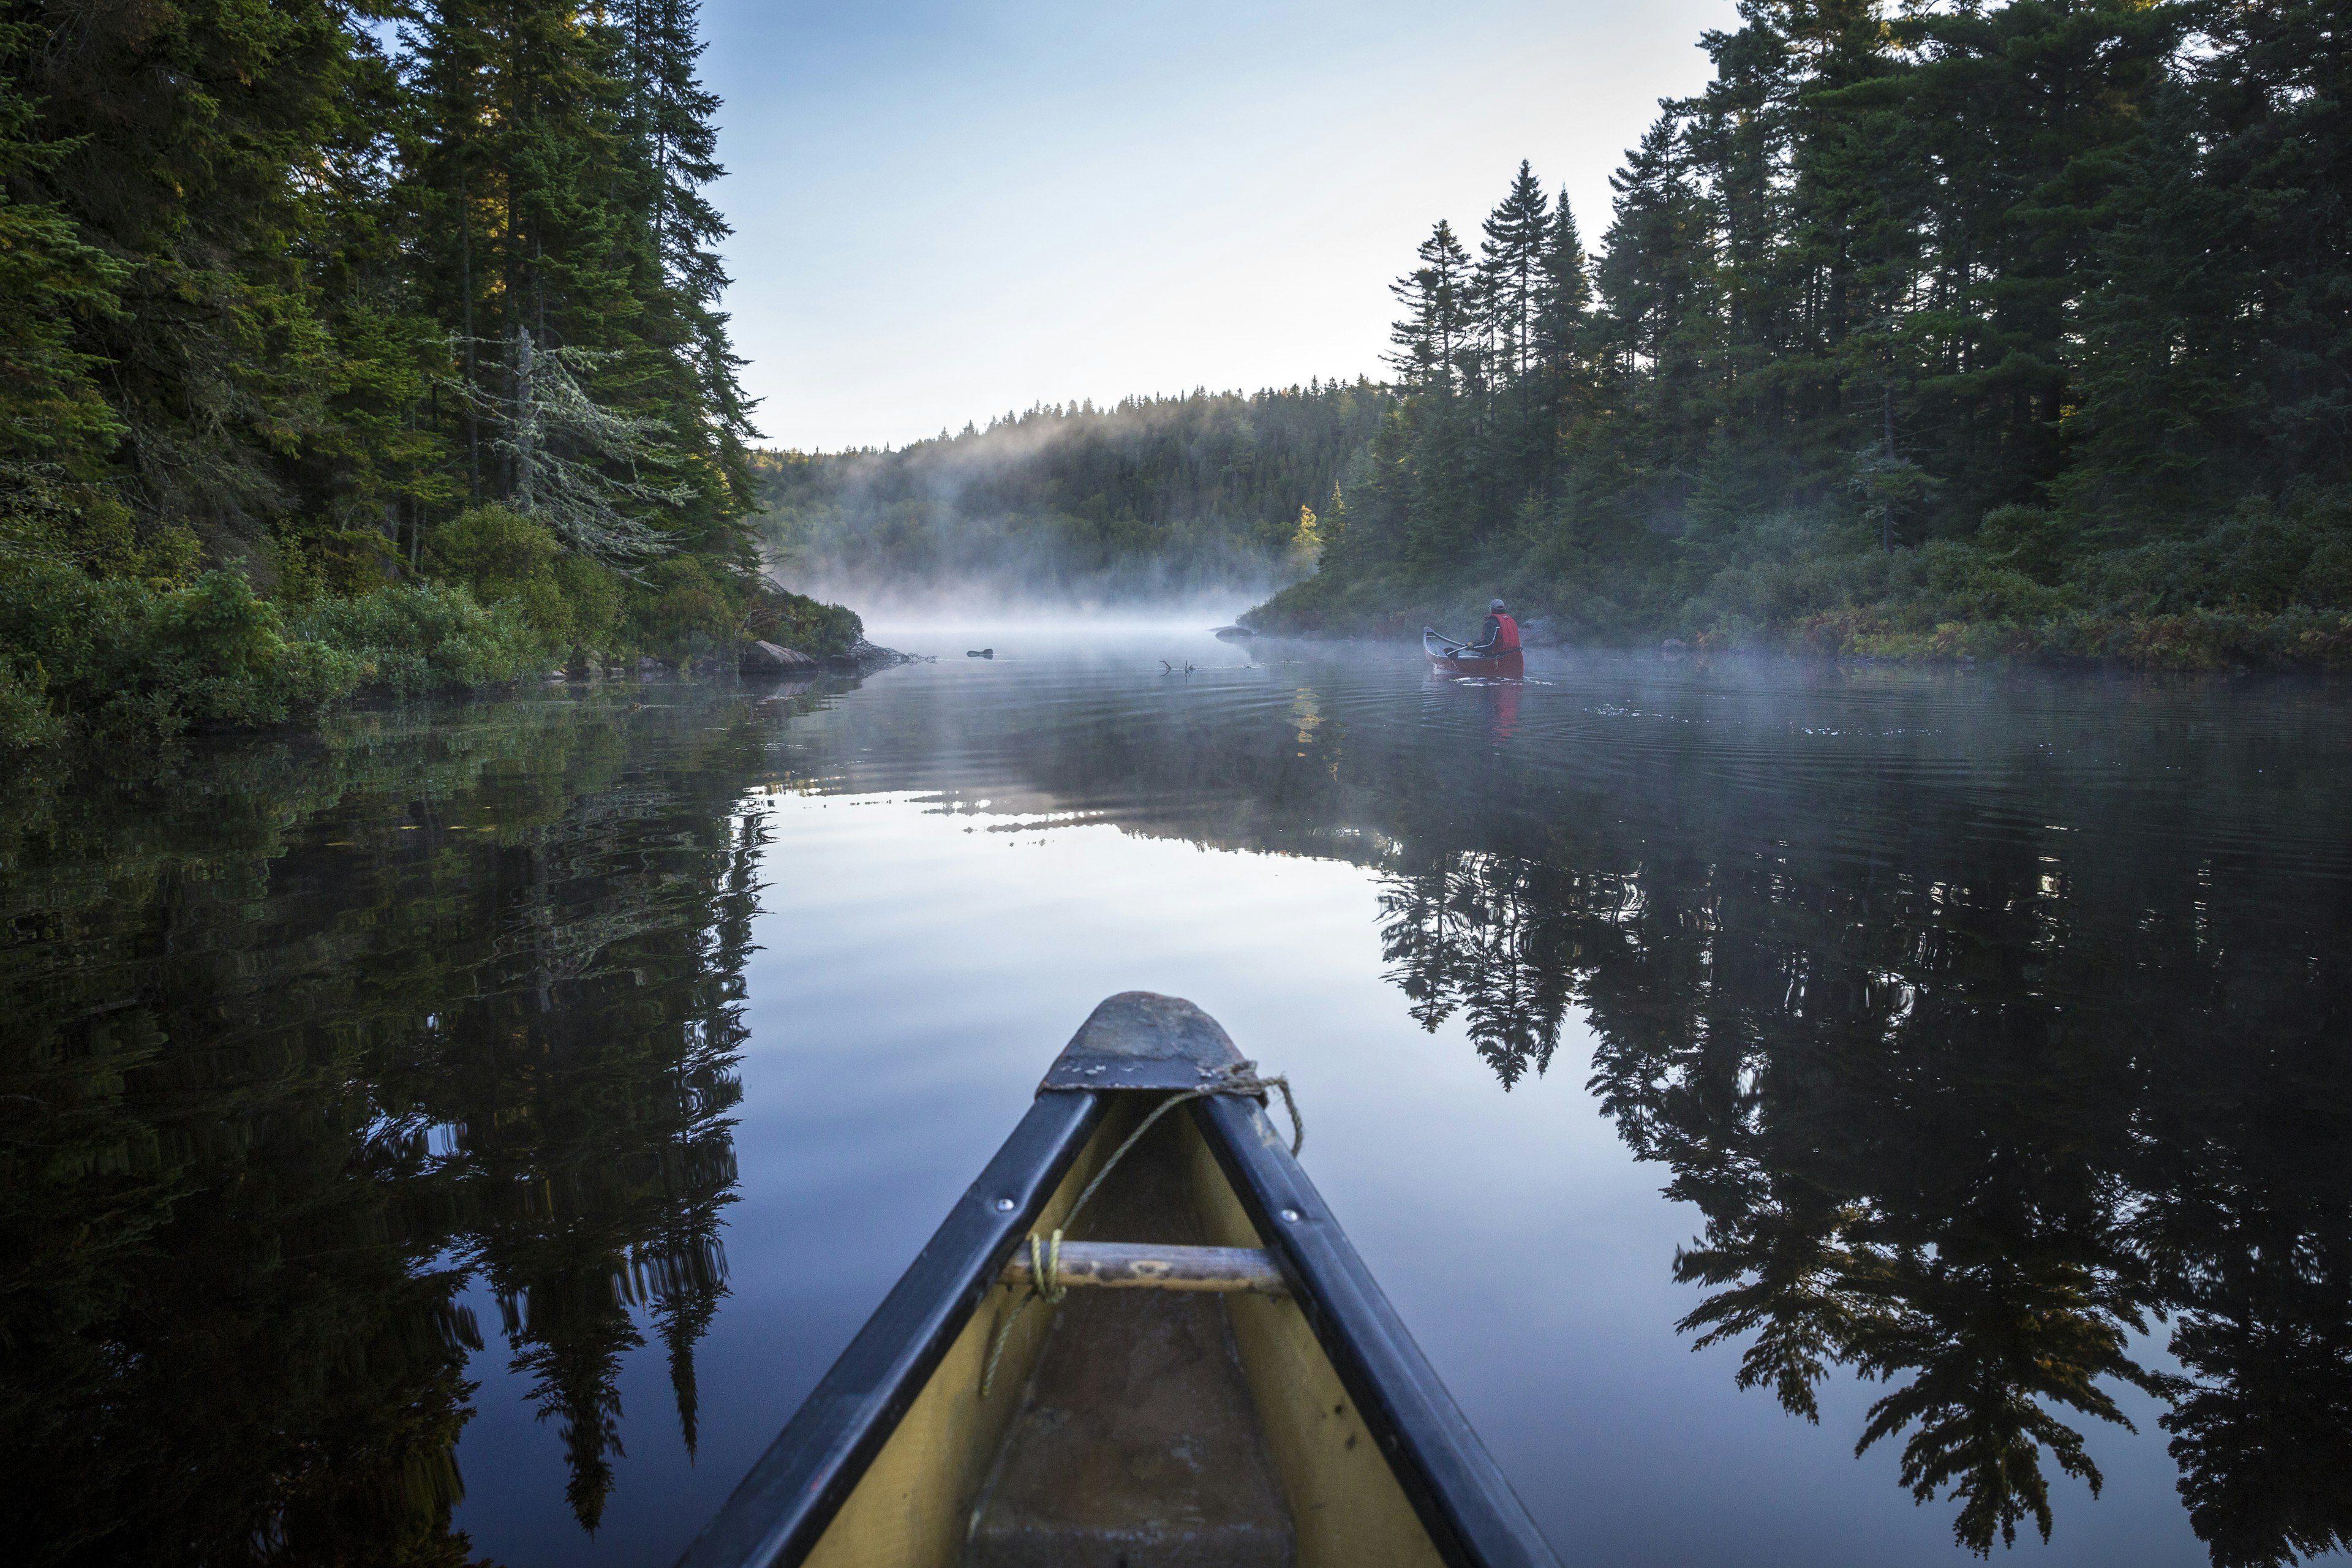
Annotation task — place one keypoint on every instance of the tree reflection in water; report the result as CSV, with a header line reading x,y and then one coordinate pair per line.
x,y
1977,1079
1984,1049
308,1044
1960,1122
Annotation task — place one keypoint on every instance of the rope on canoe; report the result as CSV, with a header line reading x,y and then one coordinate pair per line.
x,y
1045,1253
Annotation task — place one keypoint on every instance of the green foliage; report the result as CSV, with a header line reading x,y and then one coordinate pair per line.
x,y
123,661
683,611
415,638
1153,496
797,621
51,282
26,720
335,562
594,602
502,557
493,552
2035,303
487,309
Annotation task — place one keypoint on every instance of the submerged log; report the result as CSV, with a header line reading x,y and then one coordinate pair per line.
x,y
1123,1265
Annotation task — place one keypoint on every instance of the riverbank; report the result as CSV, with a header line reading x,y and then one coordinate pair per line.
x,y
2294,638
2263,588
125,660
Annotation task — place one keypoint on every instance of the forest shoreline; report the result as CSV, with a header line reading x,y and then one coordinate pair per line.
x,y
2195,641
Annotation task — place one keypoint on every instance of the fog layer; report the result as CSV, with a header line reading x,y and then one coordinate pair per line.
x,y
1174,508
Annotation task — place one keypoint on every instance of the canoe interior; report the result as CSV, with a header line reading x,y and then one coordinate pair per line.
x,y
1135,1428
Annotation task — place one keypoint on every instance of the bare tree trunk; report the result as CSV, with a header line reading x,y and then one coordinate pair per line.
x,y
526,428
1886,511
466,283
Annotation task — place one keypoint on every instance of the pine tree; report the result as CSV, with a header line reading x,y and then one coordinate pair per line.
x,y
2156,437
1561,317
2013,117
175,125
1511,270
1435,333
1659,327
575,266
2277,92
674,144
53,408
55,424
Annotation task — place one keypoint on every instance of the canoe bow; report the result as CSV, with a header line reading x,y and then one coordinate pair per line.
x,y
1135,1042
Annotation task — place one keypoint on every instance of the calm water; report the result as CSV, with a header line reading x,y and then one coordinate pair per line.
x,y
495,1118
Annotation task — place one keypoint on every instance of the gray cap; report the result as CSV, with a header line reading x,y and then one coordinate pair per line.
x,y
1496,608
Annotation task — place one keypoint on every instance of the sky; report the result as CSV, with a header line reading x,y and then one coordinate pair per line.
x,y
947,211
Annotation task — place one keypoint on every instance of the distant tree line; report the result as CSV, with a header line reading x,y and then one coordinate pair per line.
x,y
1151,496
290,292
1966,327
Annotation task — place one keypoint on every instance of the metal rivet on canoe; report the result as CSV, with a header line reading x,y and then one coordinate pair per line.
x,y
1290,1215
1005,1205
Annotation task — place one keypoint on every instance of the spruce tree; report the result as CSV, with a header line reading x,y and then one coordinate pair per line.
x,y
1432,339
1659,325
1511,269
674,146
2277,92
174,127
55,424
1561,312
577,148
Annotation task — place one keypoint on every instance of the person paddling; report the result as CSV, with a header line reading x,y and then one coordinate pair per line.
x,y
1499,635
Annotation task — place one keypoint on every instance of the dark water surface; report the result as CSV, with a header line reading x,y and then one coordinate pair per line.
x,y
493,1118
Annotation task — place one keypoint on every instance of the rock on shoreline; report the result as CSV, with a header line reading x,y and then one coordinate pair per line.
x,y
772,659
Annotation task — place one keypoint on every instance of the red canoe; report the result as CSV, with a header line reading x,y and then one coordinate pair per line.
x,y
1456,658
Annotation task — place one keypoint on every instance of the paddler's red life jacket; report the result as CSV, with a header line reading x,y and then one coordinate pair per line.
x,y
1506,635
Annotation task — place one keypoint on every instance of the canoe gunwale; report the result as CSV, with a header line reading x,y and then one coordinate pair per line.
x,y
781,1509
1472,1516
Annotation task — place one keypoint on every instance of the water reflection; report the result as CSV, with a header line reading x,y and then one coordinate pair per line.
x,y
1989,1032
307,1040
1961,1112
1994,1036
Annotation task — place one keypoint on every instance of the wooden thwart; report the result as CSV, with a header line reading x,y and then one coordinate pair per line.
x,y
1130,1265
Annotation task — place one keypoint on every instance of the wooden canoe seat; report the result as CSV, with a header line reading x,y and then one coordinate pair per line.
x,y
1126,1265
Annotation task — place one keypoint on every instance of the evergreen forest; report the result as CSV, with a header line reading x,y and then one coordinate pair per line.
x,y
359,345
1931,329
1152,498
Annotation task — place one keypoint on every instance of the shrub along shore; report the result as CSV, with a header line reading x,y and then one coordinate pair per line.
x,y
495,598
2270,586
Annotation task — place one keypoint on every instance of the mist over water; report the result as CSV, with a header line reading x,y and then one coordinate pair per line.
x,y
1155,505
913,621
